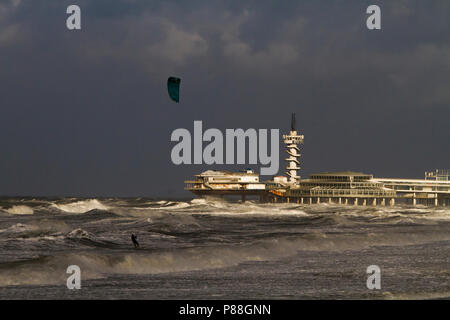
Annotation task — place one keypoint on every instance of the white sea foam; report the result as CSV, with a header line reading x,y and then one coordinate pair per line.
x,y
42,271
95,265
81,206
36,229
78,233
18,227
19,209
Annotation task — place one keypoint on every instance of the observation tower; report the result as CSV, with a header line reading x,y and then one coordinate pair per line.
x,y
292,140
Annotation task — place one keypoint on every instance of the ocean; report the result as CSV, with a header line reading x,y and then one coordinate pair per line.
x,y
202,249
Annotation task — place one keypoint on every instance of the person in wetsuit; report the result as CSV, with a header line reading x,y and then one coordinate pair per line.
x,y
134,239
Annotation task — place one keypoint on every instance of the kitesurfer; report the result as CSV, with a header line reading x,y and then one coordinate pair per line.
x,y
135,242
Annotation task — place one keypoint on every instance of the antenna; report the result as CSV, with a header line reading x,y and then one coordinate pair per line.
x,y
293,122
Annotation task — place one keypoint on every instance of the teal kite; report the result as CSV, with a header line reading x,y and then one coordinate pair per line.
x,y
173,86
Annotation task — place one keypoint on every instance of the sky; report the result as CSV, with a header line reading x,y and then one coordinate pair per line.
x,y
86,112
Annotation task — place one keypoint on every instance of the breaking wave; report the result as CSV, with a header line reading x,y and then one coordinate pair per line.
x,y
201,234
215,207
81,206
35,230
19,209
50,270
94,265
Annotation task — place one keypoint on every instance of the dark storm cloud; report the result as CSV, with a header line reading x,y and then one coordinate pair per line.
x,y
87,112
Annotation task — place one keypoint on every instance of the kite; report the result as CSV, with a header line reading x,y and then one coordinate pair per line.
x,y
173,86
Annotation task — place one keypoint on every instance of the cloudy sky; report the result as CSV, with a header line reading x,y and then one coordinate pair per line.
x,y
86,113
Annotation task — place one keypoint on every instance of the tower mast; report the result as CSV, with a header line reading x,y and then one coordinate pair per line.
x,y
291,141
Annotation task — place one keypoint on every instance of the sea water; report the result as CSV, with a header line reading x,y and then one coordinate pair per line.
x,y
201,249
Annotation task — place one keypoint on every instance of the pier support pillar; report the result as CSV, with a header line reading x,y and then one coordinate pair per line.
x,y
318,199
414,201
329,200
374,201
301,200
436,202
356,202
383,201
364,202
287,199
346,201
340,200
310,200
392,202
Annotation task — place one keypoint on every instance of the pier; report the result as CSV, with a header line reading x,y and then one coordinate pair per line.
x,y
342,188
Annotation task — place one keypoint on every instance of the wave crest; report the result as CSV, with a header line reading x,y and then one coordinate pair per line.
x,y
19,209
81,206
